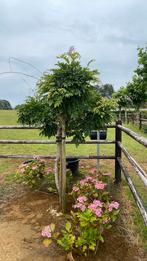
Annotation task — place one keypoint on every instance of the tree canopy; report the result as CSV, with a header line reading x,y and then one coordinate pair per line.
x,y
106,90
122,98
5,105
137,88
66,93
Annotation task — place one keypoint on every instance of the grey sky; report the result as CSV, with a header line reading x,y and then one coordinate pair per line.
x,y
36,31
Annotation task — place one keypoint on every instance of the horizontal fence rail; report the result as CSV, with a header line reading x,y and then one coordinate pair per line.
x,y
33,127
54,142
134,135
22,127
134,192
142,119
54,157
141,173
119,149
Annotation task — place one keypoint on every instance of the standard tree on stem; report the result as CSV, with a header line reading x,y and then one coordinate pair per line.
x,y
66,104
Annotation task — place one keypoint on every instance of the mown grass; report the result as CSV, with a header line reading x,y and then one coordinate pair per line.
x,y
135,149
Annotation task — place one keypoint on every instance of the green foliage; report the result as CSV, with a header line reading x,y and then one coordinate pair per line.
x,y
122,98
105,90
5,105
67,93
92,215
137,88
31,173
137,91
68,239
142,67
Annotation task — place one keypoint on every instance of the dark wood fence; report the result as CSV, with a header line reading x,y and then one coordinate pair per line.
x,y
117,157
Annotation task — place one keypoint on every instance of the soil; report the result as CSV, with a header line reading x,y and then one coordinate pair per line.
x,y
24,212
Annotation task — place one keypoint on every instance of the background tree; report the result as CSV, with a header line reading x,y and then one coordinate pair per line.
x,y
122,99
137,91
5,105
137,88
105,90
66,104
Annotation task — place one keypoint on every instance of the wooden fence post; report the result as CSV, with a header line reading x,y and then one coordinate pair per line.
x,y
118,138
140,121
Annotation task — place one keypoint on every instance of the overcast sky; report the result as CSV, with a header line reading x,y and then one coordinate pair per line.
x,y
108,31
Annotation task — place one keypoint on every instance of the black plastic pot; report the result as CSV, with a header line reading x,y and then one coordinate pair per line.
x,y
27,161
73,165
102,135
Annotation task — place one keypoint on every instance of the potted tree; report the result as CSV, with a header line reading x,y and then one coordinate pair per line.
x,y
66,104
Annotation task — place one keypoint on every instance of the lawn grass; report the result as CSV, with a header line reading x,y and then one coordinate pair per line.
x,y
135,149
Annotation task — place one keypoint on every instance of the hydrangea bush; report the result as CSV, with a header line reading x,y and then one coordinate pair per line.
x,y
31,172
92,213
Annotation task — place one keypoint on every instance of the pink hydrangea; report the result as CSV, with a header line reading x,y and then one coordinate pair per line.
x,y
34,167
22,166
83,182
75,189
100,185
49,170
46,232
89,178
22,170
93,171
82,199
113,205
98,212
81,206
96,203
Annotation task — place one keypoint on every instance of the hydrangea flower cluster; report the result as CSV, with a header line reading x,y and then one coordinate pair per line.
x,y
93,213
31,172
89,179
93,198
46,232
96,207
113,205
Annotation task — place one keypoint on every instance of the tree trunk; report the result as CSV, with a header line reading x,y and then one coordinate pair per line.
x,y
60,165
57,160
63,169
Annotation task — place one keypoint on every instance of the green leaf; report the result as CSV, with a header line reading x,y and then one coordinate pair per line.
x,y
101,238
68,226
92,247
52,226
47,242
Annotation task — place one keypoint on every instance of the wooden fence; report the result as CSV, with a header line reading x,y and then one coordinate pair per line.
x,y
142,121
139,119
117,157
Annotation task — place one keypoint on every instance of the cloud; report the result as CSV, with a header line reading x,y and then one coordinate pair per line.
x,y
37,31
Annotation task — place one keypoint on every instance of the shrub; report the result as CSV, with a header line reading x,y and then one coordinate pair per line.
x,y
93,212
32,172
